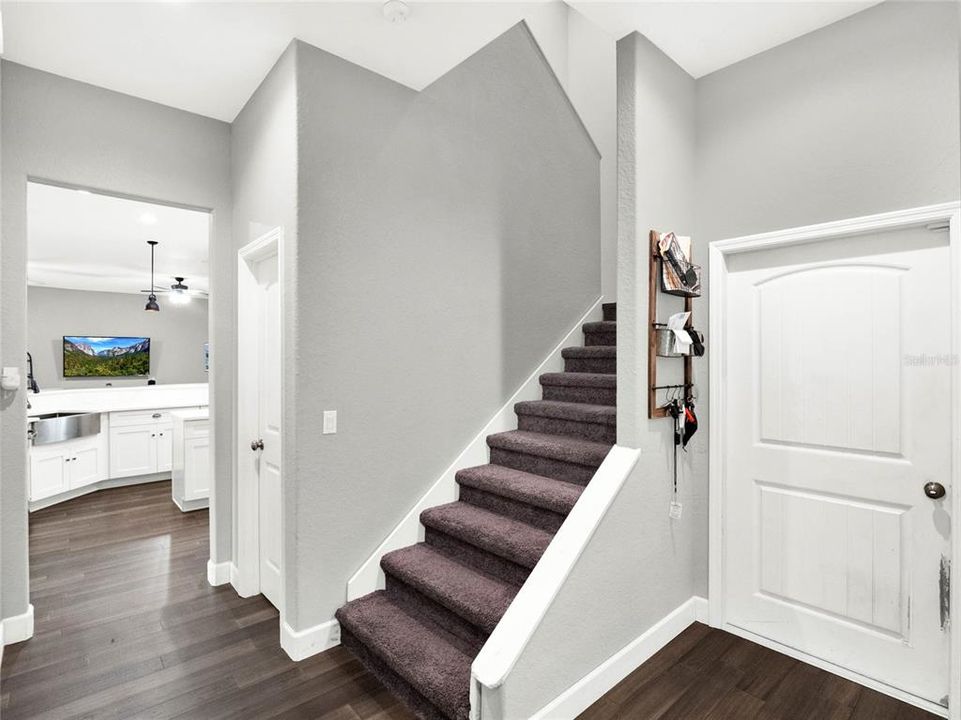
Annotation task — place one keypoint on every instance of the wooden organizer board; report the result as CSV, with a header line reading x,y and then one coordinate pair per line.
x,y
654,286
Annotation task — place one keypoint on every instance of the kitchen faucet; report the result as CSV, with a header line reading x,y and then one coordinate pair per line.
x,y
31,380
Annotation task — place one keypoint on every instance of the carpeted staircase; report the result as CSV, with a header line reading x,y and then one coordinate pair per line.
x,y
445,595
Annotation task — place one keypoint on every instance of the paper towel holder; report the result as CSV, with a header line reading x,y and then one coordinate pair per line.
x,y
10,379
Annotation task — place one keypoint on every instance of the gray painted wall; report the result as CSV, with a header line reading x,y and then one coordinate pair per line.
x,y
447,240
77,134
177,334
857,118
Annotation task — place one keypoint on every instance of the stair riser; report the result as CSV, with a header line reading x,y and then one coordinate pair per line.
x,y
538,517
591,365
610,312
417,604
394,682
594,339
570,428
477,558
548,467
589,395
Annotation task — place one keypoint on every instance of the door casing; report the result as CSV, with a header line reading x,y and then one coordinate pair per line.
x,y
247,581
943,214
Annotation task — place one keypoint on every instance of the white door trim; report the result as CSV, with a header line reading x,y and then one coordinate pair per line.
x,y
946,213
247,580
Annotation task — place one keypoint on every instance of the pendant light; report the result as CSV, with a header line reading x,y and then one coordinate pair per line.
x,y
152,305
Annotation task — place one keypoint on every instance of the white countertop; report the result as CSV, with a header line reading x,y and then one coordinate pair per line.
x,y
191,414
116,399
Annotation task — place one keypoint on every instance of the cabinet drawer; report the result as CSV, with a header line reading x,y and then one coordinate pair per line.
x,y
196,429
139,417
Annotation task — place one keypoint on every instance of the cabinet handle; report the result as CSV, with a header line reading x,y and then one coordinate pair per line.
x,y
155,415
152,435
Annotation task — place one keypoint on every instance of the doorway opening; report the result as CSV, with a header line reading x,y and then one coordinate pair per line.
x,y
117,348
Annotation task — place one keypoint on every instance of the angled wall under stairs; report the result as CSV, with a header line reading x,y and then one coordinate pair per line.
x,y
445,596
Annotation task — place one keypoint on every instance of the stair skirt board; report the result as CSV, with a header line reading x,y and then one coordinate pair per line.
x,y
593,686
301,644
482,530
370,577
17,628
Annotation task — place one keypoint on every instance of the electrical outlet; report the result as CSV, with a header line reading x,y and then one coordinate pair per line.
x,y
330,422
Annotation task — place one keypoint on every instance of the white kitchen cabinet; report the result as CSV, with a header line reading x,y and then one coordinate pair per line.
x,y
60,467
141,443
191,459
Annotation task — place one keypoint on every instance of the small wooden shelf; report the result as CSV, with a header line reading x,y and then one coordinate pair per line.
x,y
654,260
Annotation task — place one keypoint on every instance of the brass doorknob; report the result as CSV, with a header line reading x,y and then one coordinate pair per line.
x,y
934,490
257,445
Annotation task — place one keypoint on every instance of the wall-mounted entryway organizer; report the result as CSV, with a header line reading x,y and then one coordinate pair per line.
x,y
656,331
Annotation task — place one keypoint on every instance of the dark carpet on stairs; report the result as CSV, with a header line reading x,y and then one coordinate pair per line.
x,y
444,596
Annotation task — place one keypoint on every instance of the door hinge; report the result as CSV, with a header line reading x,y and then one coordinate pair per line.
x,y
944,585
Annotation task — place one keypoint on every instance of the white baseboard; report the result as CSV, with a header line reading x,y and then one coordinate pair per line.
x,y
220,573
301,644
370,577
590,688
17,628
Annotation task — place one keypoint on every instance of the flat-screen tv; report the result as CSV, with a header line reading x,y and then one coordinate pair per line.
x,y
85,356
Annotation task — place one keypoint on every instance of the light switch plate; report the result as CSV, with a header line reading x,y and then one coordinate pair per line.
x,y
330,422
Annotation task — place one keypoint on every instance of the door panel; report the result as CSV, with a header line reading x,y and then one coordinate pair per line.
x,y
165,448
839,414
86,466
271,539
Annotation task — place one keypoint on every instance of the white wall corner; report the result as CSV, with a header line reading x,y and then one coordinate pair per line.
x,y
593,686
219,573
370,577
18,627
301,644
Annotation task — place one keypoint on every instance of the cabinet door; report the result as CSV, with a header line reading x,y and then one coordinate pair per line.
x,y
133,450
86,464
196,467
165,448
48,473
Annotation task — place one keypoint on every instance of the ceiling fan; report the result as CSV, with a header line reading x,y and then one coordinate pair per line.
x,y
180,294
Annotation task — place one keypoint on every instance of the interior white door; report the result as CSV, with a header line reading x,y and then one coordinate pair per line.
x,y
838,389
269,411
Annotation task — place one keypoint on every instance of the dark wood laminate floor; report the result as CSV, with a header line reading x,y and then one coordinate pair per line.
x,y
127,627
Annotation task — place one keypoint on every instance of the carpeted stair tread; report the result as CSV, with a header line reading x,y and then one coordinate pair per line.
x,y
419,654
590,352
537,490
577,412
601,326
477,597
594,380
554,447
510,539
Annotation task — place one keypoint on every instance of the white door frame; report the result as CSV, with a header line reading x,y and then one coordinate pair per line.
x,y
247,581
947,213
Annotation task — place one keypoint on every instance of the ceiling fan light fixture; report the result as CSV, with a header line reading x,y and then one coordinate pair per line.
x,y
179,293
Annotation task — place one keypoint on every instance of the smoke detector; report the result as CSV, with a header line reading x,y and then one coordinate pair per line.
x,y
396,11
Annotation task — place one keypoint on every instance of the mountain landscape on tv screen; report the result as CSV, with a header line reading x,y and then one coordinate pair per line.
x,y
105,356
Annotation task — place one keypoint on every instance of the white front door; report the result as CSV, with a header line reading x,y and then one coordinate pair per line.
x,y
839,412
269,412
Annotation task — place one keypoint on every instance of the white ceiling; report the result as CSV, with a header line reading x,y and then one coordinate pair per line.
x,y
87,241
703,37
209,57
